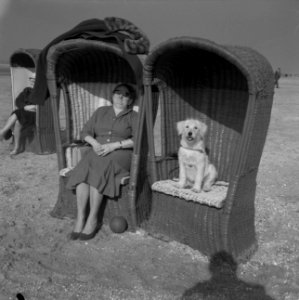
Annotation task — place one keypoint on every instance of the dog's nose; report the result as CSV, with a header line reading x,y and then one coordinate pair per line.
x,y
189,133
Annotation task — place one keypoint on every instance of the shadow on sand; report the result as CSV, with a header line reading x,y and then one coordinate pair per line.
x,y
224,283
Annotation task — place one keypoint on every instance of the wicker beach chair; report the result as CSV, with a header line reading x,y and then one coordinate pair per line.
x,y
40,138
231,90
85,71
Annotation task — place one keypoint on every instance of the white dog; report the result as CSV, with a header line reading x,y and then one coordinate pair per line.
x,y
195,169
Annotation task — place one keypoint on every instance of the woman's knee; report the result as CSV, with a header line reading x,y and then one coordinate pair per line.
x,y
95,194
82,187
94,190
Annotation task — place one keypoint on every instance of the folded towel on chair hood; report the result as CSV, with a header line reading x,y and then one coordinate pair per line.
x,y
111,30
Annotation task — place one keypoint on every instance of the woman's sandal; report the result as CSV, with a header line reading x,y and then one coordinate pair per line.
x,y
7,135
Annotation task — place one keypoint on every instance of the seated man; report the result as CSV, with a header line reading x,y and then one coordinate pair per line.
x,y
21,117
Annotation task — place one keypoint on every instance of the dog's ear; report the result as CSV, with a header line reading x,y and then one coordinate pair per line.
x,y
180,127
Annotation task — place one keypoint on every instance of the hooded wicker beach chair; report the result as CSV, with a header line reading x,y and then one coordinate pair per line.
x,y
231,90
40,138
86,71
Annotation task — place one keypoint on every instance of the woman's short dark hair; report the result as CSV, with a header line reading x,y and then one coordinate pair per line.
x,y
130,88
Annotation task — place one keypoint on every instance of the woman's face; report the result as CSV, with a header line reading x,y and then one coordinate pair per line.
x,y
121,98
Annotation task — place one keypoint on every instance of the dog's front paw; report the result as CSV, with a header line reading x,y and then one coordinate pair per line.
x,y
196,190
179,185
207,188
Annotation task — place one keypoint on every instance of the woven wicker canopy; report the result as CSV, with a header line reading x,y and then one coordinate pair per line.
x,y
75,60
26,58
196,55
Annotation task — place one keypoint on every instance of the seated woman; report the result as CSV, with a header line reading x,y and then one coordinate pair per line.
x,y
110,133
20,118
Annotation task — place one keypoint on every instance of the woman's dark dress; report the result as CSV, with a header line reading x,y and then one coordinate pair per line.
x,y
26,118
105,172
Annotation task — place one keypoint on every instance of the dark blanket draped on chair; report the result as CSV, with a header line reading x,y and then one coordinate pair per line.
x,y
113,30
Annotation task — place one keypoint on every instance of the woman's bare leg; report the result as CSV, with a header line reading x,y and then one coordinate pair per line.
x,y
17,137
82,192
9,125
95,203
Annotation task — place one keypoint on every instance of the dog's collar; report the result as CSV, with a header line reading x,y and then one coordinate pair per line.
x,y
198,150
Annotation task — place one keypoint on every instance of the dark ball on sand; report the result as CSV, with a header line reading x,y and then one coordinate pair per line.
x,y
118,224
20,296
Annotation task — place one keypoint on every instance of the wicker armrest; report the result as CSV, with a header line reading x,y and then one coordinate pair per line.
x,y
125,180
64,172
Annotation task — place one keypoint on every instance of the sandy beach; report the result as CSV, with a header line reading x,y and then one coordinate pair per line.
x,y
38,261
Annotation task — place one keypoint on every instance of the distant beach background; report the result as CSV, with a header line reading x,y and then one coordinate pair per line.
x,y
4,69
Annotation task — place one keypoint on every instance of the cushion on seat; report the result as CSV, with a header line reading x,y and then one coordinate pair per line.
x,y
215,197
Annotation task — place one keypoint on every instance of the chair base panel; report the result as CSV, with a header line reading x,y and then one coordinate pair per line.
x,y
198,226
30,142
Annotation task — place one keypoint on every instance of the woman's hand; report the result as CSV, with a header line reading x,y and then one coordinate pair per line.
x,y
97,148
102,150
107,148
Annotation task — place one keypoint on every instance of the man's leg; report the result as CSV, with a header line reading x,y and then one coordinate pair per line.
x,y
17,137
9,125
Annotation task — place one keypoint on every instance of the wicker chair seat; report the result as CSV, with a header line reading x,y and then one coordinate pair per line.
x,y
215,197
73,155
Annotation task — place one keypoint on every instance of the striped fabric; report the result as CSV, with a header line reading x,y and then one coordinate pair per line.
x,y
85,98
74,154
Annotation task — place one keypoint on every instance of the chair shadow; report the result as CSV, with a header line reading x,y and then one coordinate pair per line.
x,y
224,283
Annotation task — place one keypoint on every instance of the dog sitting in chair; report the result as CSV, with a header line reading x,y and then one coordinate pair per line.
x,y
196,171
